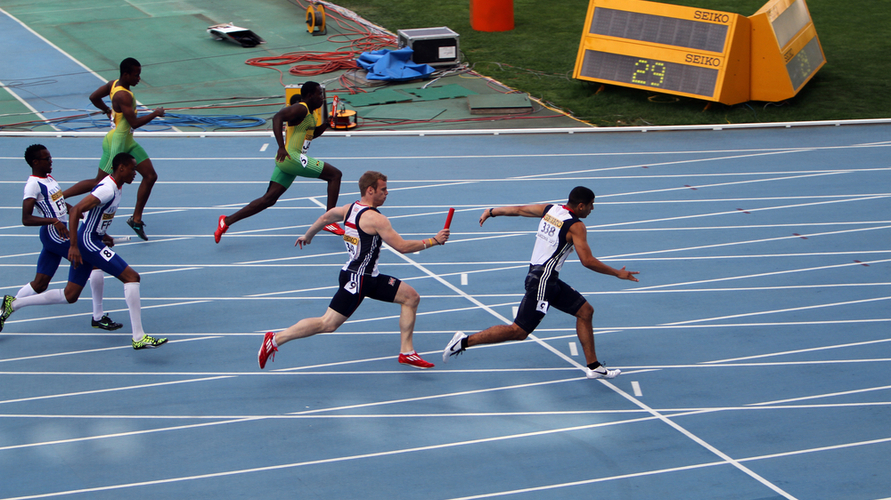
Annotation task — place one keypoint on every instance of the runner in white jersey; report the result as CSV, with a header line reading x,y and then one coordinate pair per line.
x,y
365,229
44,193
89,250
559,230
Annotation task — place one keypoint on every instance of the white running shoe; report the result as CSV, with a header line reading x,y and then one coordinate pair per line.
x,y
453,348
602,372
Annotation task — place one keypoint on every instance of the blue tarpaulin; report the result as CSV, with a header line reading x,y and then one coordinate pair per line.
x,y
393,65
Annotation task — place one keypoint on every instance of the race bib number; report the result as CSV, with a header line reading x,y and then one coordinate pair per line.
x,y
107,254
59,201
304,160
352,287
306,145
542,306
107,219
548,232
352,245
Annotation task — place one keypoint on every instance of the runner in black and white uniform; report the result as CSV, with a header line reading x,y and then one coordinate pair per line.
x,y
366,230
360,276
544,288
560,229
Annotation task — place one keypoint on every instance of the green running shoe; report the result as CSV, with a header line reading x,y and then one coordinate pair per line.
x,y
147,342
6,309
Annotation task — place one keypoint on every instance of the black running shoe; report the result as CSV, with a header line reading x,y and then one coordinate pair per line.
x,y
106,324
138,227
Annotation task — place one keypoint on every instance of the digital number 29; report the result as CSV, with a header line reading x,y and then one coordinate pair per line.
x,y
643,69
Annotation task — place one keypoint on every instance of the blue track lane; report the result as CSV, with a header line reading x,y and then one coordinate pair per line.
x,y
754,350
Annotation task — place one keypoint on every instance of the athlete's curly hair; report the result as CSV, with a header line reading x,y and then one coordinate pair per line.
x,y
31,152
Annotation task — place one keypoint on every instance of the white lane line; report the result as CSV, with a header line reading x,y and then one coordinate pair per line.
x,y
90,351
674,412
673,469
303,371
799,351
635,386
777,311
821,396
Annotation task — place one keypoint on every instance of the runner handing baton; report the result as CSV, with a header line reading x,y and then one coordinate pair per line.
x,y
366,228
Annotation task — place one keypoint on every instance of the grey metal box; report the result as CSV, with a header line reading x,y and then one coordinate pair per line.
x,y
433,46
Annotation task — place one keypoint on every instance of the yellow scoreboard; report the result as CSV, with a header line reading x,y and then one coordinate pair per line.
x,y
786,52
667,48
700,53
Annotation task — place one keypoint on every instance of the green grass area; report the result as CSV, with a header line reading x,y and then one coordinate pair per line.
x,y
539,54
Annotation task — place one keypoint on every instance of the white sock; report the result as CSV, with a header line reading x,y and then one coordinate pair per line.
x,y
25,291
131,296
97,288
50,297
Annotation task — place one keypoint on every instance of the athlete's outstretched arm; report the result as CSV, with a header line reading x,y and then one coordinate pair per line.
x,y
578,236
375,223
520,210
336,214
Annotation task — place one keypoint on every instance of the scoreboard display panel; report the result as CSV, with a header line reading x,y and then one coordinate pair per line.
x,y
658,71
786,52
667,48
704,54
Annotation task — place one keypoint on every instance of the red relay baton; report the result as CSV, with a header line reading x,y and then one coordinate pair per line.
x,y
449,219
